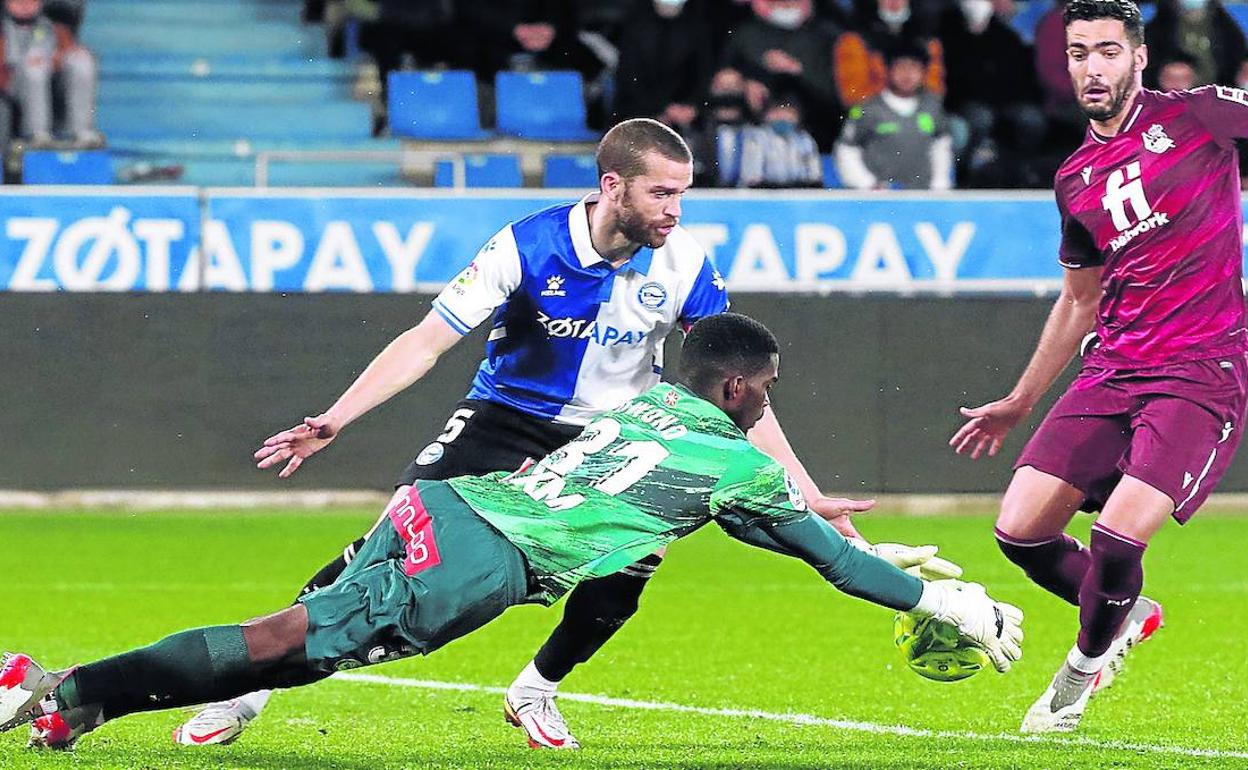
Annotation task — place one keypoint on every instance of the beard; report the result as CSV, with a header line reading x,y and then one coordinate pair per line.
x,y
634,226
1117,100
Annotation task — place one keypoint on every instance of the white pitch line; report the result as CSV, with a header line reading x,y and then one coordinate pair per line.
x,y
808,719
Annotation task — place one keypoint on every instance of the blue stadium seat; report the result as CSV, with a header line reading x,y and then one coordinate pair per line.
x,y
52,167
434,105
570,171
1028,16
481,171
541,105
1239,12
831,177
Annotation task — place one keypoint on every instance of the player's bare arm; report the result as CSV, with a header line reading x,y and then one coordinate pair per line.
x,y
1072,317
405,360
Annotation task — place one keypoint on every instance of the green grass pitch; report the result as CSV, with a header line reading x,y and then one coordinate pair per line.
x,y
723,626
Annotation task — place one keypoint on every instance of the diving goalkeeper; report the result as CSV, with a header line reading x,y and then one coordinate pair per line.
x,y
460,552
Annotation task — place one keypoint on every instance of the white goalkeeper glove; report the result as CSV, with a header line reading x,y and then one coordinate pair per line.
x,y
920,561
995,627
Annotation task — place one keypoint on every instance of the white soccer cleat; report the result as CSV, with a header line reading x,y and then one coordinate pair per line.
x,y
540,719
215,725
1063,703
23,684
1142,622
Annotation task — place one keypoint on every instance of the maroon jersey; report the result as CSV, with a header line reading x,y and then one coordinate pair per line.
x,y
1158,206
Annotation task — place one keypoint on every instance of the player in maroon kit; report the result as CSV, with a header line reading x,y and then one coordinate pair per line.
x,y
1152,246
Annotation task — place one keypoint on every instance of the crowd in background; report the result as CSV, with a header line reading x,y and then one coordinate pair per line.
x,y
926,94
903,93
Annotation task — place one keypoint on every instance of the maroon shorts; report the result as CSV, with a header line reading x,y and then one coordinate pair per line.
x,y
1174,427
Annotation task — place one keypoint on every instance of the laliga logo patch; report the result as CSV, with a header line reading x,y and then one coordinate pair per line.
x,y
796,498
671,398
1155,139
466,278
430,454
554,287
652,295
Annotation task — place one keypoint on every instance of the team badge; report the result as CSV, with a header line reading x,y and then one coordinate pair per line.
x,y
554,287
1155,139
671,398
652,295
796,498
430,454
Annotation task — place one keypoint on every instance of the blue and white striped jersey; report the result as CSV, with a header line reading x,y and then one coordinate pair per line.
x,y
572,337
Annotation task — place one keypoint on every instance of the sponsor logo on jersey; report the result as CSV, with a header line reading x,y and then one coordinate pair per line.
x,y
1232,94
466,278
1125,187
796,498
717,280
588,329
671,398
1156,140
652,295
430,454
554,287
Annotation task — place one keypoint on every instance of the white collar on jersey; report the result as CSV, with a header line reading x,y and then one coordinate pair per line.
x,y
586,254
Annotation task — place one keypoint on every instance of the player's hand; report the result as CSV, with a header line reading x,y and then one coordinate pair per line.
x,y
995,627
837,510
919,560
295,445
988,426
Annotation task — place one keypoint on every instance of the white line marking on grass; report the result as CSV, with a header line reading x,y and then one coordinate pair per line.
x,y
808,719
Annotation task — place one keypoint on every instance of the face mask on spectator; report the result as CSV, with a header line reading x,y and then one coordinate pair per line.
x,y
782,127
728,108
669,9
787,18
895,18
977,13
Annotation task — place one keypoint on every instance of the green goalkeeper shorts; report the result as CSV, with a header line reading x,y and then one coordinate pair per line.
x,y
435,572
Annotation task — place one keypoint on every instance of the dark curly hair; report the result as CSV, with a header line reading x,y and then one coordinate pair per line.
x,y
1125,11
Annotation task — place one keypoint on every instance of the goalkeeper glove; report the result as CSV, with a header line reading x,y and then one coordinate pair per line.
x,y
995,627
920,561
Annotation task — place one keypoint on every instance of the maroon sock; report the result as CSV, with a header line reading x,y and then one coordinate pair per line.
x,y
1056,564
1110,589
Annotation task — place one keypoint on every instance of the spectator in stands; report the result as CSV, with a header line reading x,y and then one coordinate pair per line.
x,y
784,48
899,138
528,35
859,56
67,12
993,95
1059,92
41,63
1177,74
1200,29
665,63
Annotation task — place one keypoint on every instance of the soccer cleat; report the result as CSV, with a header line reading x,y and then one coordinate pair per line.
x,y
23,684
60,730
540,719
1062,705
215,725
1142,622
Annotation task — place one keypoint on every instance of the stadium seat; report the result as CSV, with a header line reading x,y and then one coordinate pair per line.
x,y
481,171
1028,16
831,177
434,105
53,167
541,105
1239,12
570,171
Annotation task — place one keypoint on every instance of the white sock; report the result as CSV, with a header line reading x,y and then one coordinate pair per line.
x,y
253,703
531,683
1085,664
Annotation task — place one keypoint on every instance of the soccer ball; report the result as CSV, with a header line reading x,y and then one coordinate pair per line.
x,y
934,650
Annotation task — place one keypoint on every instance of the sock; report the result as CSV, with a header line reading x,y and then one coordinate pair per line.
x,y
531,683
1109,590
330,572
1058,564
253,703
196,666
1086,664
595,610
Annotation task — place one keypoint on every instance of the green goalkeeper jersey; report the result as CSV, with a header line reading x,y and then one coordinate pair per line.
x,y
654,470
